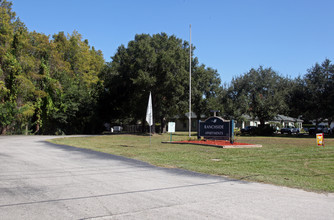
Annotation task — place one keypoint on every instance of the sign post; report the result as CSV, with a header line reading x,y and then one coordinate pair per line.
x,y
171,129
232,131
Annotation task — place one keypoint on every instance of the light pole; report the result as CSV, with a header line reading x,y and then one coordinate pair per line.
x,y
190,82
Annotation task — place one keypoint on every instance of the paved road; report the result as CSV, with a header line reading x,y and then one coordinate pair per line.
x,y
43,181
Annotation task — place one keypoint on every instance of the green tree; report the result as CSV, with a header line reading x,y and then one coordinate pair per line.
x,y
157,63
7,18
8,113
77,67
206,90
259,93
235,100
313,94
10,69
49,86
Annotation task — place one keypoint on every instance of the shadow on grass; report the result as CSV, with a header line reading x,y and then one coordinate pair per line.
x,y
126,146
128,133
180,134
311,136
194,135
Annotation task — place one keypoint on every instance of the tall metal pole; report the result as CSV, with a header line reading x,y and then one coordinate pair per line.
x,y
190,83
150,134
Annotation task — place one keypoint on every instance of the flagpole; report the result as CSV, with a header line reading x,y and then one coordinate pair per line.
x,y
149,115
190,83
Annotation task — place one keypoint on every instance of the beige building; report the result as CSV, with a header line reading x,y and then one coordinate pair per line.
x,y
284,121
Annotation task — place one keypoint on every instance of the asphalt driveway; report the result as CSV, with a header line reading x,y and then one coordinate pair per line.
x,y
39,180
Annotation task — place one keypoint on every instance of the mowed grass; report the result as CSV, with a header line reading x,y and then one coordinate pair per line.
x,y
285,161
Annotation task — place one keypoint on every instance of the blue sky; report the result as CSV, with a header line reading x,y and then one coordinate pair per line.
x,y
231,36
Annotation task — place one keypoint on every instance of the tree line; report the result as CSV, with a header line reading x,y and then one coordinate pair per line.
x,y
63,85
47,86
263,93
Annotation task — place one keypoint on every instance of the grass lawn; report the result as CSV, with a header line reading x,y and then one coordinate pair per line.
x,y
286,161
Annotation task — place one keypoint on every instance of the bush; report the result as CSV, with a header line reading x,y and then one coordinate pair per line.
x,y
266,130
308,125
237,131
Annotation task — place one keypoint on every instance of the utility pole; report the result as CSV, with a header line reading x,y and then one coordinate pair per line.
x,y
190,82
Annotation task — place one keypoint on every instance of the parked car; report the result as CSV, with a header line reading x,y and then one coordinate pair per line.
x,y
248,130
319,129
289,130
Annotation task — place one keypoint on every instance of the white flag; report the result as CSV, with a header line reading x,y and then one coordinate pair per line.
x,y
149,111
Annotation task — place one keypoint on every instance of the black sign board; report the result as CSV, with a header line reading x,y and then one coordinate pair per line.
x,y
216,128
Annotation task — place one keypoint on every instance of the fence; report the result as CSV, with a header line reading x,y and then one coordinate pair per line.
x,y
139,129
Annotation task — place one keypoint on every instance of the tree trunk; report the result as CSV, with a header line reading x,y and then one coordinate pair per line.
x,y
143,125
153,127
163,125
26,131
37,128
3,130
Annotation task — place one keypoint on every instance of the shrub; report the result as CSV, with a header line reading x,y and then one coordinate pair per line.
x,y
237,131
265,130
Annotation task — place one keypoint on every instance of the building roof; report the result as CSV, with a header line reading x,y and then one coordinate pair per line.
x,y
278,118
287,118
186,115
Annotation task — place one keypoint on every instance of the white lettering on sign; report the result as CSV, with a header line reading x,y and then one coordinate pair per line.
x,y
214,133
213,126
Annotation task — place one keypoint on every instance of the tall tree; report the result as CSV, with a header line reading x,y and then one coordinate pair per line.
x,y
48,86
7,18
314,93
77,67
206,90
259,93
11,70
157,63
